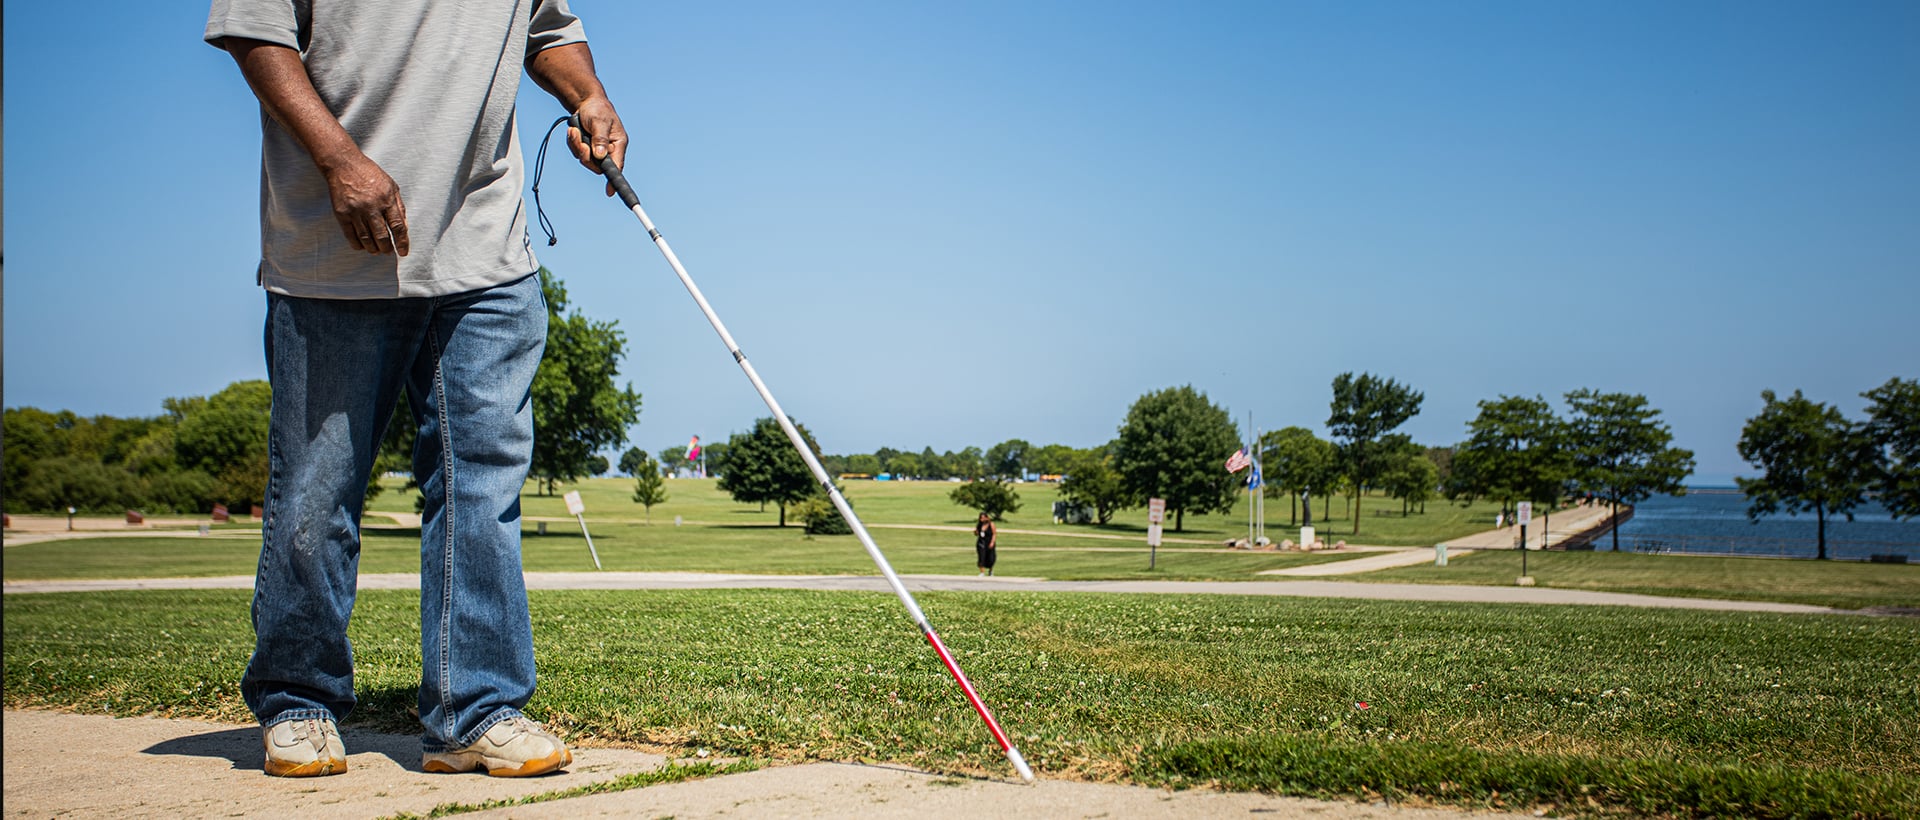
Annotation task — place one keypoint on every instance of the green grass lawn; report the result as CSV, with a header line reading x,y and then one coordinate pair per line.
x,y
1577,709
926,502
745,548
718,535
1844,584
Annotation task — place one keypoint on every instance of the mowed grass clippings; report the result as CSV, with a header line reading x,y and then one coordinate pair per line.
x,y
678,771
1584,708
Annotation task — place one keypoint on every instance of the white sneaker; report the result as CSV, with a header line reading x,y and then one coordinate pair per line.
x,y
515,747
304,748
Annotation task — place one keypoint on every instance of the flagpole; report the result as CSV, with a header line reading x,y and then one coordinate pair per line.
x,y
1254,457
1259,493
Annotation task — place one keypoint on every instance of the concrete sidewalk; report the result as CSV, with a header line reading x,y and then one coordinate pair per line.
x,y
1388,558
1545,531
937,583
67,765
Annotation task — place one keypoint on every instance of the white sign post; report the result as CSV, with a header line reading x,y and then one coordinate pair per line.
x,y
579,511
1524,512
1156,513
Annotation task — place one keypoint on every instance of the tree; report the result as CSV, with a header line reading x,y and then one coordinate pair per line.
x,y
1424,483
932,465
904,465
1089,478
55,460
993,496
1442,458
31,434
1893,425
83,483
1812,460
1622,449
763,467
1174,446
1294,461
1008,459
634,460
864,463
1365,409
673,458
598,465
1463,483
1517,451
1053,459
226,438
969,463
1408,475
577,410
649,487
715,457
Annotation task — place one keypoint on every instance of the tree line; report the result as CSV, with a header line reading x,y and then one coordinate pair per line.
x,y
1173,443
1010,459
1814,459
208,450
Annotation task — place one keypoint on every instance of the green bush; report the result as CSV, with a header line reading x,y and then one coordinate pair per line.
x,y
818,513
54,484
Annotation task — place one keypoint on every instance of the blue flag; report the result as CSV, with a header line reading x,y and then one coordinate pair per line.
x,y
1253,480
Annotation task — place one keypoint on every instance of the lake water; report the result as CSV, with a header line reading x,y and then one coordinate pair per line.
x,y
1714,520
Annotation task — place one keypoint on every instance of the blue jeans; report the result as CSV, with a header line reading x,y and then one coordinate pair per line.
x,y
467,362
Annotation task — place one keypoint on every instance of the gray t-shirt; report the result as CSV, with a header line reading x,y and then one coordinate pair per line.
x,y
426,88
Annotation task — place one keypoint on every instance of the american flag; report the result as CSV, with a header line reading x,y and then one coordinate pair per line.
x,y
1239,461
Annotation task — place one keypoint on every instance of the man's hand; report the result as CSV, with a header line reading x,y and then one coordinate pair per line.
x,y
366,203
609,137
567,73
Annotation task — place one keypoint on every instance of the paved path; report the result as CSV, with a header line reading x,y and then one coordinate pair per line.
x,y
1544,531
1388,558
927,583
67,765
34,529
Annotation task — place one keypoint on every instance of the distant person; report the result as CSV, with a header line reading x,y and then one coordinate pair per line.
x,y
394,255
985,541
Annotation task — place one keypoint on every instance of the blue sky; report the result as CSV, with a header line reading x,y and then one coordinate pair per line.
x,y
952,224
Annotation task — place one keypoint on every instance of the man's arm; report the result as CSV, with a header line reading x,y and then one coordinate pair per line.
x,y
567,73
366,202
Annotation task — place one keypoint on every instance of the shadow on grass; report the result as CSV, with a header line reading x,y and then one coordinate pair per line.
x,y
562,535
